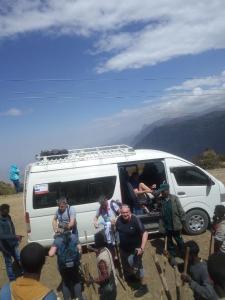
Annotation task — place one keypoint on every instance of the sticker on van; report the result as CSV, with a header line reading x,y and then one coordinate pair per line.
x,y
40,189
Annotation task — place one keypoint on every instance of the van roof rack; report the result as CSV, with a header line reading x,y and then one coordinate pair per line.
x,y
84,154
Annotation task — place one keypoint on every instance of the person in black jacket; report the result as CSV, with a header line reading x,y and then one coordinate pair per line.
x,y
9,241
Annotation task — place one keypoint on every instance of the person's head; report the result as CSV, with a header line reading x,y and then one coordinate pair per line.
x,y
219,211
194,250
102,266
125,212
32,258
103,201
164,189
4,210
62,203
100,240
135,175
216,263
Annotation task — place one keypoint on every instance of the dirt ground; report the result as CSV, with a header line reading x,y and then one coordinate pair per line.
x,y
51,277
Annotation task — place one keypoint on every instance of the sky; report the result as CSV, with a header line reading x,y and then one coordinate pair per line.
x,y
84,73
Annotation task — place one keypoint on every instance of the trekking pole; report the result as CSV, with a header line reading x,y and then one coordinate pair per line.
x,y
87,270
121,282
176,272
120,262
186,260
86,276
210,243
161,275
177,283
86,242
165,255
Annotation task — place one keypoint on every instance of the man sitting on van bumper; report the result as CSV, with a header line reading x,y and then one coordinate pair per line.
x,y
172,219
108,211
64,218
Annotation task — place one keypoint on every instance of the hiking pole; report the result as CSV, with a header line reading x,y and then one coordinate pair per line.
x,y
176,272
210,243
87,281
186,259
120,262
161,275
121,282
165,255
86,242
177,283
87,265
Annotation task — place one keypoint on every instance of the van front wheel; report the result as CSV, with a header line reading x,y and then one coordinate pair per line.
x,y
196,222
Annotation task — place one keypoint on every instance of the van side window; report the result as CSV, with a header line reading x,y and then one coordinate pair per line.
x,y
186,176
77,192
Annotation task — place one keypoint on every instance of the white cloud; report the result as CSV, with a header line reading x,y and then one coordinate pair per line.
x,y
133,34
196,101
14,112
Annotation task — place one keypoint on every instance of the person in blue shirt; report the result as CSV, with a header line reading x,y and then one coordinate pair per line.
x,y
14,176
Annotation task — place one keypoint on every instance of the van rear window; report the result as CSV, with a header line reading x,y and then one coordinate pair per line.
x,y
77,192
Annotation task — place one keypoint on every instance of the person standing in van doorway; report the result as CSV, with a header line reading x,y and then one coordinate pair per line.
x,y
14,176
172,220
64,218
108,210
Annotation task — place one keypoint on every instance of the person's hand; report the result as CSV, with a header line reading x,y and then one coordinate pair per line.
x,y
185,277
139,251
79,248
113,222
96,225
19,238
59,230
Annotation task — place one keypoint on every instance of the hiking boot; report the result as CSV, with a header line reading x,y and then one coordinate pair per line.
x,y
143,289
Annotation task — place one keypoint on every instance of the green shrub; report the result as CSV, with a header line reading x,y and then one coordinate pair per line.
x,y
6,188
208,159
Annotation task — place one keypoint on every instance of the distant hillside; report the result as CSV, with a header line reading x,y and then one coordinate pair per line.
x,y
186,137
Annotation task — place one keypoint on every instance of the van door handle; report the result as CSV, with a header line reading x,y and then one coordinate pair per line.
x,y
181,193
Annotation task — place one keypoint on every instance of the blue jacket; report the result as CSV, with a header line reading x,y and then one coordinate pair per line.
x,y
14,173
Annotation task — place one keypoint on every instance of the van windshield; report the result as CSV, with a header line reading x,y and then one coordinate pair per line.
x,y
77,192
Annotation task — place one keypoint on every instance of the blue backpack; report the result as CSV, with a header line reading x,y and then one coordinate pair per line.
x,y
67,254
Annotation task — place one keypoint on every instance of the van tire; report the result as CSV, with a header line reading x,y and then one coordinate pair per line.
x,y
196,222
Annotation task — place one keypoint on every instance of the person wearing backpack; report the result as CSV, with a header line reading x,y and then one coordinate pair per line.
x,y
65,217
29,287
68,260
108,211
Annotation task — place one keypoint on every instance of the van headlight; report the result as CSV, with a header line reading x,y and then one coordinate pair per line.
x,y
222,197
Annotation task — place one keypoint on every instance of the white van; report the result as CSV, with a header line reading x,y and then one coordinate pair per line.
x,y
84,175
